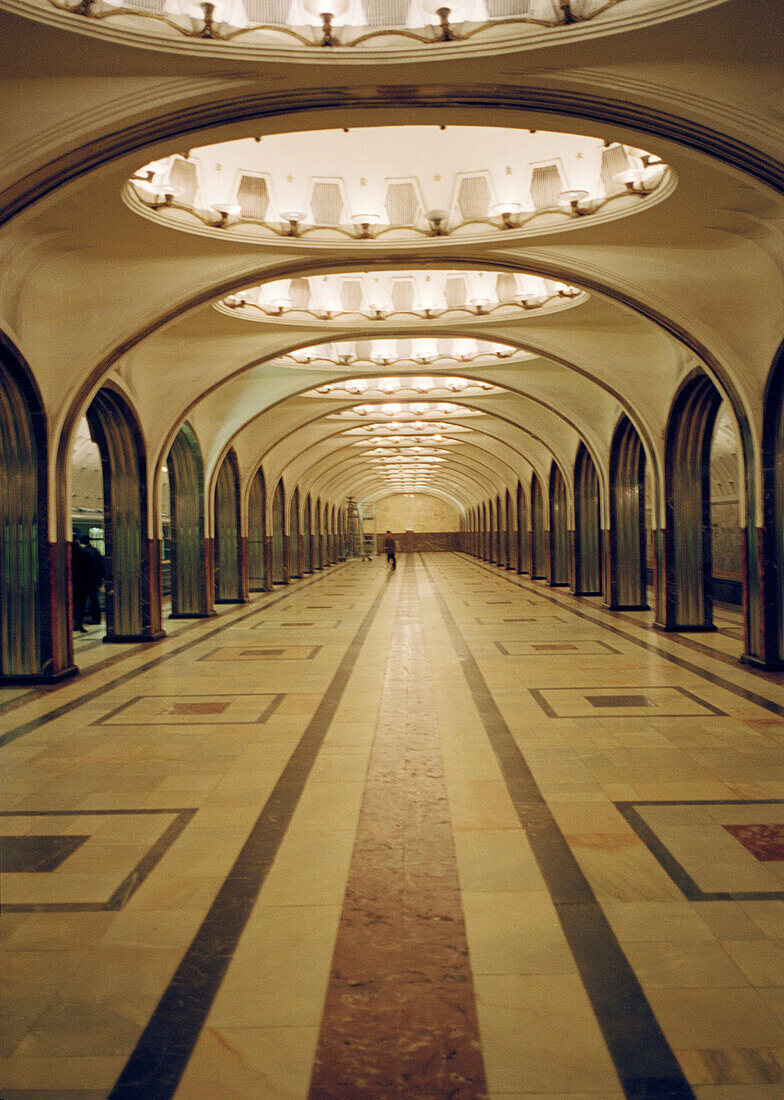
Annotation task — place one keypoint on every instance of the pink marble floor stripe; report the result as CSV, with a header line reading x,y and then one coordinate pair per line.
x,y
400,1018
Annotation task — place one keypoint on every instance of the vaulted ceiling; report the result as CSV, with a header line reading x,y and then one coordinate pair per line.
x,y
487,247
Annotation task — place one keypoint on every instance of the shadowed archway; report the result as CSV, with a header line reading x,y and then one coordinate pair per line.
x,y
189,595
688,602
559,529
228,568
587,526
627,554
133,588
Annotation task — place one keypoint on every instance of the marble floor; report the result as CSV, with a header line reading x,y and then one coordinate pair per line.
x,y
442,832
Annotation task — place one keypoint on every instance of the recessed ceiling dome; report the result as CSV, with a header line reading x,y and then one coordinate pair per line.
x,y
405,387
414,352
418,411
349,28
401,297
389,185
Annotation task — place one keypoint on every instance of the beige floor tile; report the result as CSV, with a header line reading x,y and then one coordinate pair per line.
x,y
540,1029
262,1063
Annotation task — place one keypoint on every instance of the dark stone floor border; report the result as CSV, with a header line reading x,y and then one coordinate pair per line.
x,y
35,723
643,1059
161,1055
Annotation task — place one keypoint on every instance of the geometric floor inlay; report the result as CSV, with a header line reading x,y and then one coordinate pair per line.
x,y
36,854
715,850
182,710
97,866
578,648
765,842
650,702
257,652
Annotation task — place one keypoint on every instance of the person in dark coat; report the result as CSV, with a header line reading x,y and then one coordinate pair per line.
x,y
81,576
389,547
97,574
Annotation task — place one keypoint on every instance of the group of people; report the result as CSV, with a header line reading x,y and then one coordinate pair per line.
x,y
88,571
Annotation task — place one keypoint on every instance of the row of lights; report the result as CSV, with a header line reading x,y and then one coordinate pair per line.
x,y
395,385
308,355
575,202
209,24
481,307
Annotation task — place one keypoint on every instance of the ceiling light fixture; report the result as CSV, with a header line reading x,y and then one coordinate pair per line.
x,y
293,217
438,220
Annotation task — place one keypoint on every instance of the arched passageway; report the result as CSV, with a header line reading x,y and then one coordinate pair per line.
x,y
278,556
688,590
318,539
295,537
587,526
133,591
559,529
511,537
500,555
770,628
538,531
483,535
523,540
307,536
189,595
228,570
258,580
627,542
33,646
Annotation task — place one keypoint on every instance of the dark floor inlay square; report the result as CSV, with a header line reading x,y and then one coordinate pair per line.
x,y
32,854
765,842
207,707
549,647
619,701
262,652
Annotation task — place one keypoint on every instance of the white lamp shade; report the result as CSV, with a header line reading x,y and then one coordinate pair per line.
x,y
320,8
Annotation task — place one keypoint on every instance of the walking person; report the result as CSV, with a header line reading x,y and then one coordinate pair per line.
x,y
389,547
81,573
96,579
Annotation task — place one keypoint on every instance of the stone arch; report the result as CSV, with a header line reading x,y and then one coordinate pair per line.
x,y
258,575
523,541
538,531
587,526
227,551
35,645
627,549
133,588
688,595
559,529
189,594
307,536
279,555
295,536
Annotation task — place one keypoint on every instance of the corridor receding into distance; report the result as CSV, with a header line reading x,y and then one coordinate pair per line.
x,y
392,550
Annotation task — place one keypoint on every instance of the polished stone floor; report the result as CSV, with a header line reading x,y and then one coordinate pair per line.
x,y
443,832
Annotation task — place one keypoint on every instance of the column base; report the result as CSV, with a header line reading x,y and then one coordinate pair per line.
x,y
758,662
111,639
627,607
704,629
192,614
41,679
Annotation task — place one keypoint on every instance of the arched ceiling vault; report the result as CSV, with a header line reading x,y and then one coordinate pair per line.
x,y
92,291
